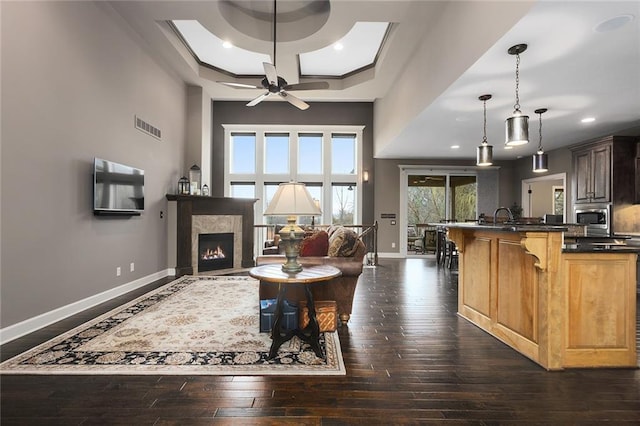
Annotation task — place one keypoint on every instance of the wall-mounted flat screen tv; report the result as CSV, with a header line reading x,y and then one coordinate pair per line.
x,y
118,189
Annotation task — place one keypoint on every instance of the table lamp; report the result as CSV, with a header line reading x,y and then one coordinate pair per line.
x,y
292,199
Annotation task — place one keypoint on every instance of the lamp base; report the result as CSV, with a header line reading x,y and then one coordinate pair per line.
x,y
291,237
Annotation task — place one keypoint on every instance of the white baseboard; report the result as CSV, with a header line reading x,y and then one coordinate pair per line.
x,y
390,256
30,325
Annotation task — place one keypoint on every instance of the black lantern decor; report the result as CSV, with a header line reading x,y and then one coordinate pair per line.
x,y
183,186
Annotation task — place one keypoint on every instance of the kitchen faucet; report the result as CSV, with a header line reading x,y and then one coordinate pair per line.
x,y
495,214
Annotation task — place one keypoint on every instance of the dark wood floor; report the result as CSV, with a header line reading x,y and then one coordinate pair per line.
x,y
409,359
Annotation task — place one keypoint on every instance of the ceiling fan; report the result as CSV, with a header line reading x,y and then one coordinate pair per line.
x,y
276,85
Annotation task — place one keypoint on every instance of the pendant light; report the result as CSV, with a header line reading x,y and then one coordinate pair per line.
x,y
517,126
540,159
484,152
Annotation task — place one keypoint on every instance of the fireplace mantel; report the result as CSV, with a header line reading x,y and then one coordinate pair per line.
x,y
188,206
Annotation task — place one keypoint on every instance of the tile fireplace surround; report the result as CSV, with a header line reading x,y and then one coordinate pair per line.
x,y
190,215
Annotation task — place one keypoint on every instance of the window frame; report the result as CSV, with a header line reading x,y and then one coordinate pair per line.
x,y
326,178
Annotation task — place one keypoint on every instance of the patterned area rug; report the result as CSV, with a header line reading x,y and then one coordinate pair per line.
x,y
205,325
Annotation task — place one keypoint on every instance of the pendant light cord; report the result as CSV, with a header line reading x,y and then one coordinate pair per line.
x,y
517,104
540,132
484,126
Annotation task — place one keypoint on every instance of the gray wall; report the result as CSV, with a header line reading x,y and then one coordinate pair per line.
x,y
72,80
559,162
387,199
319,113
542,197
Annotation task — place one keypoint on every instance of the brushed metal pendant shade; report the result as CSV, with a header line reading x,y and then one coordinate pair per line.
x,y
540,158
517,130
517,126
484,153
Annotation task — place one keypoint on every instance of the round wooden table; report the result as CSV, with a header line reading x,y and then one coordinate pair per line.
x,y
310,275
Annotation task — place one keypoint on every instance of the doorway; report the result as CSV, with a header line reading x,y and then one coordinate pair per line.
x,y
545,195
429,196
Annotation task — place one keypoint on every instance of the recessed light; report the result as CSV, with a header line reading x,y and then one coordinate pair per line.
x,y
613,24
455,146
338,46
227,45
508,147
588,120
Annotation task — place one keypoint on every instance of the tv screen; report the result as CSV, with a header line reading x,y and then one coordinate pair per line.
x,y
117,188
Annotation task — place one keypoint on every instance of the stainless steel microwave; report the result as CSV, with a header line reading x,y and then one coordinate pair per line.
x,y
596,217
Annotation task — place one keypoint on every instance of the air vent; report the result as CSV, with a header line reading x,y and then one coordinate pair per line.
x,y
147,128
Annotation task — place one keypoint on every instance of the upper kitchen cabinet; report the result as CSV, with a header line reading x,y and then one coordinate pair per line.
x,y
604,171
592,173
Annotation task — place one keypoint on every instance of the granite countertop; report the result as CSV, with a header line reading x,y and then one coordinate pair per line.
x,y
606,248
508,227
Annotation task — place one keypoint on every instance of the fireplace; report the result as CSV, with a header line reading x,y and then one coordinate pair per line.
x,y
215,251
192,215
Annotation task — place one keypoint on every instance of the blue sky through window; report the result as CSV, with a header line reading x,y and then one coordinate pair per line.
x,y
243,153
310,154
276,158
343,154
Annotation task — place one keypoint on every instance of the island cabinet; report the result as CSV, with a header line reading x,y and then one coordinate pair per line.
x,y
560,309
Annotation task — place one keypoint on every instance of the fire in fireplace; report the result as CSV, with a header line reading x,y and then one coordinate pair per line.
x,y
215,251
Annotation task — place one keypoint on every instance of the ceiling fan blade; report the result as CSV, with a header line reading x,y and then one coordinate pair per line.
x,y
294,101
238,85
318,85
270,73
259,99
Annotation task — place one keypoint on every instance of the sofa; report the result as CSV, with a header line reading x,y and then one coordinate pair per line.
x,y
346,254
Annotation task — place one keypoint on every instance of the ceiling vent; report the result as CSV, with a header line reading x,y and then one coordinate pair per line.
x,y
147,128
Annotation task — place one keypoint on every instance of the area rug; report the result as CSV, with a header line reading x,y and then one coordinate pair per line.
x,y
195,325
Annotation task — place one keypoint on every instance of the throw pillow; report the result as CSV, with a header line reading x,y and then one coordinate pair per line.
x,y
342,243
316,244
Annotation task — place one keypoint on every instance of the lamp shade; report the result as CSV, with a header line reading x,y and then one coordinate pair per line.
x,y
292,199
484,155
517,130
540,162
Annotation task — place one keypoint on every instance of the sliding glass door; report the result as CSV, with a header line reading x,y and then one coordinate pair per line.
x,y
434,196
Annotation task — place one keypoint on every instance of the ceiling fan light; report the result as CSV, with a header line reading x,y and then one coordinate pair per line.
x,y
540,162
484,155
517,129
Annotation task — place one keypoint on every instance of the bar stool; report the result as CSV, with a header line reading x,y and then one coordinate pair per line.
x,y
451,254
441,245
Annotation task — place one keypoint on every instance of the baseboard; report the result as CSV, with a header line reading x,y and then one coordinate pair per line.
x,y
390,256
30,325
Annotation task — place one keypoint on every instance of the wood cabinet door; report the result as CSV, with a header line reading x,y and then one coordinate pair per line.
x,y
582,173
601,170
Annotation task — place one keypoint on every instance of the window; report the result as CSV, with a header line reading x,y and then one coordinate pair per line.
x,y
243,190
343,209
343,154
243,153
260,157
276,153
310,154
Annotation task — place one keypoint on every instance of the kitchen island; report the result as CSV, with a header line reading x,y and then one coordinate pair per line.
x,y
562,308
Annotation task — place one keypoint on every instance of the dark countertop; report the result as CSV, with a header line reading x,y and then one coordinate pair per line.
x,y
508,227
588,248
